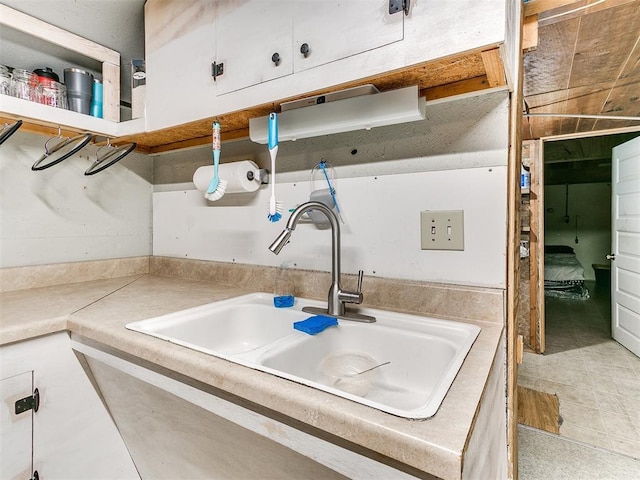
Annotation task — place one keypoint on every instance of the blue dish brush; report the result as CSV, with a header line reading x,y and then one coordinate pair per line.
x,y
275,207
217,186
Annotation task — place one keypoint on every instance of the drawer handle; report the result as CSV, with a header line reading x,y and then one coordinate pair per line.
x,y
305,50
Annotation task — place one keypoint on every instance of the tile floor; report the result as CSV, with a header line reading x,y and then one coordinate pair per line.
x,y
596,379
545,456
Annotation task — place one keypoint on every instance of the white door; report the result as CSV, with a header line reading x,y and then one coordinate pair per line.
x,y
625,242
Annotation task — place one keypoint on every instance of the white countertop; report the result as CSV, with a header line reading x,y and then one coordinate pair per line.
x,y
99,310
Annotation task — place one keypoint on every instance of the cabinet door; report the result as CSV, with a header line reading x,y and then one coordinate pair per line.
x,y
179,49
74,436
335,29
248,35
15,430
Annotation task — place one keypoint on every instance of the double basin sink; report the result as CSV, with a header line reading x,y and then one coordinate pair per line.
x,y
401,364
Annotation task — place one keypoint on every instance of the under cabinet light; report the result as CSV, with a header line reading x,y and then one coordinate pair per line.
x,y
357,113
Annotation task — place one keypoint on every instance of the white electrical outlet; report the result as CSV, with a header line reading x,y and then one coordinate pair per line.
x,y
442,230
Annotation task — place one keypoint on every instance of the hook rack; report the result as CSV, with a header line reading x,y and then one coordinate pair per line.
x,y
66,147
106,160
79,141
9,130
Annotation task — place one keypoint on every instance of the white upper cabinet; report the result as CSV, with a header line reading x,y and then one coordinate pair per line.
x,y
257,45
335,29
276,51
254,43
258,41
180,46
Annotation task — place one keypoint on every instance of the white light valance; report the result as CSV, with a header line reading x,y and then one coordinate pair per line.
x,y
357,113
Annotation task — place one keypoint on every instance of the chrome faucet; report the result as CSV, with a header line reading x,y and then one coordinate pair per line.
x,y
337,296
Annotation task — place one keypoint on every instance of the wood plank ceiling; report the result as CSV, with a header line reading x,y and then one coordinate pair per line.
x,y
587,62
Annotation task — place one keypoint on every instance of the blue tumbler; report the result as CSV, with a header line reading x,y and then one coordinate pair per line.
x,y
96,100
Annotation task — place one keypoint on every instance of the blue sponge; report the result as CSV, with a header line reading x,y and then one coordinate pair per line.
x,y
315,324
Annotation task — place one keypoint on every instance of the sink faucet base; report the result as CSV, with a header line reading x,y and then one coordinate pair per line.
x,y
353,316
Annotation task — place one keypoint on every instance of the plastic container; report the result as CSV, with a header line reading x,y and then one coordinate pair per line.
x,y
284,288
344,372
525,178
79,89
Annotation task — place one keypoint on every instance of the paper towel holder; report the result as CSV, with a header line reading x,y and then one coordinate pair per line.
x,y
242,176
261,174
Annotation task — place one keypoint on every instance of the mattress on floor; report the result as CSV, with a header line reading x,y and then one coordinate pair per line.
x,y
563,274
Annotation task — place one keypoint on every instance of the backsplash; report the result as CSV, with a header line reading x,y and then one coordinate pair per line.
x,y
60,215
21,278
440,300
381,235
453,160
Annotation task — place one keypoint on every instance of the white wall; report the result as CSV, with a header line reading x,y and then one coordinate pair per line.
x,y
591,202
458,163
60,215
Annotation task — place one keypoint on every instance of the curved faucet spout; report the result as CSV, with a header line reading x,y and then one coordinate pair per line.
x,y
337,297
283,238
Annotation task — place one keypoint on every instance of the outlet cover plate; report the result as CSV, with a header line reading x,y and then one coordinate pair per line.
x,y
442,230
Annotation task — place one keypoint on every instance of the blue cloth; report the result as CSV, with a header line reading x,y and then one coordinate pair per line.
x,y
315,324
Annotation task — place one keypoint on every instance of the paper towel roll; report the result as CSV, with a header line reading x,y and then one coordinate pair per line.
x,y
234,173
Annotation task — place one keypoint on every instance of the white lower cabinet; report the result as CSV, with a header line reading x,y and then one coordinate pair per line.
x,y
16,437
72,435
175,430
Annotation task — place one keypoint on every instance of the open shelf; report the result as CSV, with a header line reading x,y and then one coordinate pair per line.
x,y
459,74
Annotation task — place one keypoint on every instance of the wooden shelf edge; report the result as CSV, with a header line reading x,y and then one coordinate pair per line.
x,y
457,75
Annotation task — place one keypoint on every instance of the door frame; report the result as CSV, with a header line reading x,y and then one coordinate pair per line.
x,y
536,268
536,246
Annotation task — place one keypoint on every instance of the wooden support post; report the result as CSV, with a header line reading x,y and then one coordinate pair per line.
x,y
513,253
111,91
530,34
536,247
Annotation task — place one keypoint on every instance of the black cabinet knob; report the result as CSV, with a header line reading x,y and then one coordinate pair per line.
x,y
275,58
305,50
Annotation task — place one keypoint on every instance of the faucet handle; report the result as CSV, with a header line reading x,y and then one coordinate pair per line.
x,y
352,297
